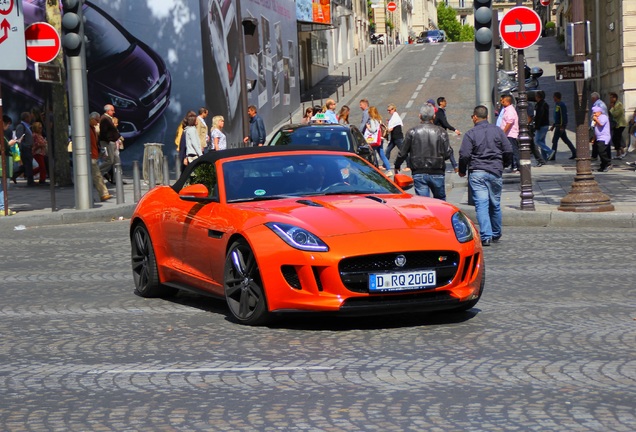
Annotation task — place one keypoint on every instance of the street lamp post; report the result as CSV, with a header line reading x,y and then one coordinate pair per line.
x,y
585,195
525,172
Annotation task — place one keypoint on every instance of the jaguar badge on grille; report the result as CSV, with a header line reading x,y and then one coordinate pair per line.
x,y
400,260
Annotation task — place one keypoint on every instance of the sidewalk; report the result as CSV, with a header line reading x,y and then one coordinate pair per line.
x,y
550,183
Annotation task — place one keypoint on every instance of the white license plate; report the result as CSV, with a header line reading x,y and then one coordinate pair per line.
x,y
384,282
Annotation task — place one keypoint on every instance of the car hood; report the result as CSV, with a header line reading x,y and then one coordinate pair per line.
x,y
328,216
141,73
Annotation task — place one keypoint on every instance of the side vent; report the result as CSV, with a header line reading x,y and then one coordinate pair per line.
x,y
291,276
317,277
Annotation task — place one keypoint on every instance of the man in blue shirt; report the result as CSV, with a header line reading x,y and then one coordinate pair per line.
x,y
484,152
257,128
559,126
330,113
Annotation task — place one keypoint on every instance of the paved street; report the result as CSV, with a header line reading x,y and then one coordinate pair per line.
x,y
550,347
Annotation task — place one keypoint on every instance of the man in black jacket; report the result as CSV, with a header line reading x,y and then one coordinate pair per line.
x,y
427,147
441,120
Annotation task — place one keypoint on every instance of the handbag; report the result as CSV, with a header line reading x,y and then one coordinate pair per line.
x,y
373,138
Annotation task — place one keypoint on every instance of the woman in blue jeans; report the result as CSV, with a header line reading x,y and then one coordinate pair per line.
x,y
373,127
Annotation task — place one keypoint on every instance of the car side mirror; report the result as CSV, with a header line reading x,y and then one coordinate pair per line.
x,y
364,150
196,193
403,181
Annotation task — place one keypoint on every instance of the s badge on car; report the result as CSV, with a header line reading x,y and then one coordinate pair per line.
x,y
400,260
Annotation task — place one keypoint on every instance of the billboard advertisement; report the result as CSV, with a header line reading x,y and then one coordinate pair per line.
x,y
154,60
314,11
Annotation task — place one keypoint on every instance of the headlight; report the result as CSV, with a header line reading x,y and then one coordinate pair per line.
x,y
298,238
462,227
120,102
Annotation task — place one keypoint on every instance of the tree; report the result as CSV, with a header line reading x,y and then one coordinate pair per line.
x,y
59,141
467,33
447,21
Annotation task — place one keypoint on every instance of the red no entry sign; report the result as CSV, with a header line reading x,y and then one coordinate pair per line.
x,y
42,42
520,27
391,6
545,2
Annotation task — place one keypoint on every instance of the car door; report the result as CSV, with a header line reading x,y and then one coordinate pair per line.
x,y
362,148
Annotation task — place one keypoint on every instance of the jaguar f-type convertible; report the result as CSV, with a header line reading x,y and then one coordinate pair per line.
x,y
286,229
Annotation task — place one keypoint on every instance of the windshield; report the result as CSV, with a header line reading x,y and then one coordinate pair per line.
x,y
336,136
301,175
434,33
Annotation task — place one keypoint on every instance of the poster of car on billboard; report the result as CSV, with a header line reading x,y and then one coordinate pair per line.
x,y
154,60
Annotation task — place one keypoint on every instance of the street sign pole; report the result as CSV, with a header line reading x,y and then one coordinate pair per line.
x,y
585,195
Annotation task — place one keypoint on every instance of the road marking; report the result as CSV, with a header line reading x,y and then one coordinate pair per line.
x,y
395,81
423,80
434,63
213,370
453,76
419,87
414,95
409,104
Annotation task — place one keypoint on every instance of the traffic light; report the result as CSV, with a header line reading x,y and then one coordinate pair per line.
x,y
72,27
483,25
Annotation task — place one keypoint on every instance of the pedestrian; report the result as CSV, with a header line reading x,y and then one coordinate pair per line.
x,y
39,151
343,115
373,135
427,148
619,123
541,125
596,100
510,126
309,112
441,120
192,141
24,134
9,142
364,106
98,180
330,112
395,128
484,152
560,125
202,128
533,147
182,147
602,137
108,137
257,134
218,140
632,132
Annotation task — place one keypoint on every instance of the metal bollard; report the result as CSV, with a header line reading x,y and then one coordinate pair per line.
x,y
151,173
166,171
177,166
322,104
360,61
365,64
356,68
343,81
349,75
119,184
136,182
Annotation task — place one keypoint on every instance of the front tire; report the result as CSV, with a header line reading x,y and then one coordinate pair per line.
x,y
243,286
144,266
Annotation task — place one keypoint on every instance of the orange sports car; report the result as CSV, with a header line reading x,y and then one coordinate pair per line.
x,y
280,229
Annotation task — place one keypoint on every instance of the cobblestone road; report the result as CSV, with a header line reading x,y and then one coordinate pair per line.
x,y
551,347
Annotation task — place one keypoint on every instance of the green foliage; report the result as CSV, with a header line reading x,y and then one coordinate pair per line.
x,y
467,33
204,174
550,25
447,21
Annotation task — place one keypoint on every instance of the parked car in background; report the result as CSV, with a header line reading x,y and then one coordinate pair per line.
x,y
434,36
346,137
121,70
422,37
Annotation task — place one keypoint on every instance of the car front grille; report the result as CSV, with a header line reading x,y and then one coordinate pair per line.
x,y
354,272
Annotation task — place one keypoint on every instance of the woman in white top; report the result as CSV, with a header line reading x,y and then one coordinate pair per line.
x,y
193,144
219,141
